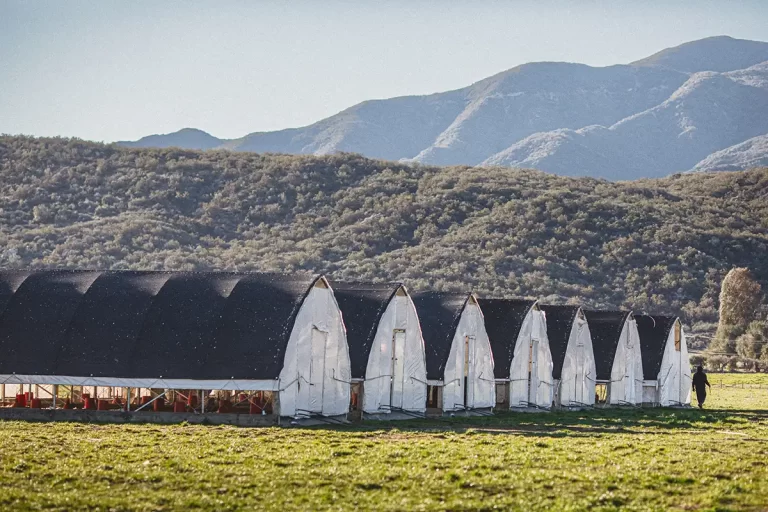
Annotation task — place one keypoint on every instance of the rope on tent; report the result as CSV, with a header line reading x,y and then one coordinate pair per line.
x,y
377,378
418,380
289,384
9,377
669,370
480,377
333,376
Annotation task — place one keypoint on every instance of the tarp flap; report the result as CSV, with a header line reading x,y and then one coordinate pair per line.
x,y
439,315
654,331
605,328
559,324
362,305
503,320
171,325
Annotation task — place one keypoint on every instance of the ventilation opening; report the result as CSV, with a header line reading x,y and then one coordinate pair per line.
x,y
354,397
601,393
433,397
678,336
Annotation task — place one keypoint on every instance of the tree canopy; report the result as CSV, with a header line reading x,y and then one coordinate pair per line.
x,y
658,245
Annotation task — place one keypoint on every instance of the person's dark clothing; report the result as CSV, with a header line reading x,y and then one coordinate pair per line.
x,y
700,383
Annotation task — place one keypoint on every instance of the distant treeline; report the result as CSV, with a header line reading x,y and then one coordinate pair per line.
x,y
653,245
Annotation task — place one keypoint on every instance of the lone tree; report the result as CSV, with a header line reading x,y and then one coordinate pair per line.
x,y
739,299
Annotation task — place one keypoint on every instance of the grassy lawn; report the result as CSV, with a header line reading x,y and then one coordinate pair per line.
x,y
598,460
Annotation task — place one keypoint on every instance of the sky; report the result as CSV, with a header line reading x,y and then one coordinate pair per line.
x,y
112,70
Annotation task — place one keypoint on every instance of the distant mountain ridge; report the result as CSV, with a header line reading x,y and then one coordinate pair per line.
x,y
656,116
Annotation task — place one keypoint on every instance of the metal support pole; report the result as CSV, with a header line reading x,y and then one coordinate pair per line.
x,y
128,400
146,404
202,402
55,392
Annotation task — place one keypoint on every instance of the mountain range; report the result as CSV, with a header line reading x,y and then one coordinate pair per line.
x,y
700,106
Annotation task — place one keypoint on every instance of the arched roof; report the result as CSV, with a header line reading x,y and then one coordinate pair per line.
x,y
362,306
605,328
559,324
36,317
503,320
654,332
144,324
439,315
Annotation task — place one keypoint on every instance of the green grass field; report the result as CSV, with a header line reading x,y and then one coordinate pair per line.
x,y
715,459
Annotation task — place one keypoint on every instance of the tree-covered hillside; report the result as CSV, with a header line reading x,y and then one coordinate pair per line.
x,y
654,245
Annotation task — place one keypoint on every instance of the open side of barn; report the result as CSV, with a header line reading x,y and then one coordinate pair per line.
x,y
572,355
667,372
618,360
458,353
386,349
240,342
523,361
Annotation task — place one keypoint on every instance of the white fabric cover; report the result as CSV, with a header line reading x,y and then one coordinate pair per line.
x,y
231,385
675,373
481,390
577,378
407,387
316,373
532,347
627,371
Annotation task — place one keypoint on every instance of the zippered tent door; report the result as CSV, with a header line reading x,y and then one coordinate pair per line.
x,y
317,370
579,375
398,368
533,375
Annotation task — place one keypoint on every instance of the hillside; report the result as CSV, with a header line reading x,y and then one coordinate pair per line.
x,y
750,153
654,117
708,112
655,245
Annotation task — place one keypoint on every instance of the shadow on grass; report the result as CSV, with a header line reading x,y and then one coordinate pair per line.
x,y
576,423
586,423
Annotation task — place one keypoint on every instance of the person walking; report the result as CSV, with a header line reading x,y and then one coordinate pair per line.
x,y
699,384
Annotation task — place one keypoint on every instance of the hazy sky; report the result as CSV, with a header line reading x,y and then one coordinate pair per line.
x,y
109,70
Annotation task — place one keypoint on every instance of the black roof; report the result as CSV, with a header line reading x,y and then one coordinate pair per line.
x,y
559,325
439,315
362,305
503,320
145,324
654,331
605,328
